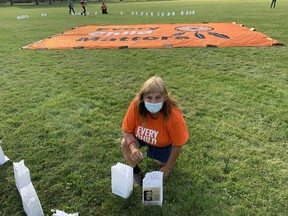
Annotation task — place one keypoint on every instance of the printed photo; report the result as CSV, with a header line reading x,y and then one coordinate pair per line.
x,y
151,194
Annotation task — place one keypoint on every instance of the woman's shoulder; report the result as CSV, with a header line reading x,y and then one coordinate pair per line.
x,y
133,104
134,101
175,110
175,114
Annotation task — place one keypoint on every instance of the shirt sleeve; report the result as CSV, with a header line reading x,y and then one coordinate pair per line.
x,y
129,121
177,129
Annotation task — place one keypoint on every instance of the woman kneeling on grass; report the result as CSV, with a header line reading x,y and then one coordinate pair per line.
x,y
154,119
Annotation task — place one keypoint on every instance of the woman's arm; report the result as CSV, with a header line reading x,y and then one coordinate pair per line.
x,y
133,146
173,157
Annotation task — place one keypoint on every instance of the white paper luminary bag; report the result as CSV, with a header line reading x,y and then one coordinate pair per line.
x,y
30,200
21,174
122,180
62,213
152,193
34,207
3,158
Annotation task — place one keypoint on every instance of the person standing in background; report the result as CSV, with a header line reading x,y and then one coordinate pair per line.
x,y
104,8
273,4
83,4
71,8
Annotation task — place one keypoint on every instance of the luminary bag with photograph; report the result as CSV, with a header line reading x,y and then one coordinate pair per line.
x,y
152,192
122,180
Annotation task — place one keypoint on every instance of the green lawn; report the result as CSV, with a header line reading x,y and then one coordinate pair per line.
x,y
61,111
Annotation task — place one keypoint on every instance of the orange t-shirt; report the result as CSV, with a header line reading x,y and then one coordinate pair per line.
x,y
156,131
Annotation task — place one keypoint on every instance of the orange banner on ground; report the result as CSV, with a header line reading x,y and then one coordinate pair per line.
x,y
156,36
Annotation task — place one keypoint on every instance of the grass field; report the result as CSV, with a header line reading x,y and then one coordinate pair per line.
x,y
61,111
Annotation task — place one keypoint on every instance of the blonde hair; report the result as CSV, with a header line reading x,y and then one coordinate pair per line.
x,y
155,85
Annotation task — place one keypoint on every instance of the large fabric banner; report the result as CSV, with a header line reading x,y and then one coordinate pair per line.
x,y
156,36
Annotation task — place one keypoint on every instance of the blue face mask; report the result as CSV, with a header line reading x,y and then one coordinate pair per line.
x,y
153,107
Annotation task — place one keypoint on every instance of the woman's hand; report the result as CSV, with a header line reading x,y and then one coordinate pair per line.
x,y
165,170
136,155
